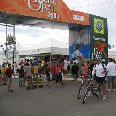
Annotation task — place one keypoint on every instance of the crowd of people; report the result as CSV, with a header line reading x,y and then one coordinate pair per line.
x,y
53,72
30,70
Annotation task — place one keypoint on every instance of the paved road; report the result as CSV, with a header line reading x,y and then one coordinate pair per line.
x,y
54,101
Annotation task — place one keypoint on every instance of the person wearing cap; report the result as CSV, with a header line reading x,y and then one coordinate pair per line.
x,y
100,72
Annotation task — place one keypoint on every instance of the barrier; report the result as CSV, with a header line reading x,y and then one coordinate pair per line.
x,y
40,82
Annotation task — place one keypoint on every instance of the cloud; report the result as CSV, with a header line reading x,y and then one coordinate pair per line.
x,y
103,8
33,35
27,35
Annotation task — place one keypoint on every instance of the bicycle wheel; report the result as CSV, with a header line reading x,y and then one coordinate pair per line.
x,y
87,92
80,91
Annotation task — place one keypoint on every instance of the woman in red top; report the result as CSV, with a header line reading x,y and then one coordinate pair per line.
x,y
54,71
62,67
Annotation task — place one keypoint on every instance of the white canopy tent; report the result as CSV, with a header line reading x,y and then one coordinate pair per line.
x,y
49,46
112,52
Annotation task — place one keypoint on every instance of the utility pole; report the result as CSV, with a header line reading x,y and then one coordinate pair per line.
x,y
10,44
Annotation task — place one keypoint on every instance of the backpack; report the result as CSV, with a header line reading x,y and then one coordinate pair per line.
x,y
105,70
102,66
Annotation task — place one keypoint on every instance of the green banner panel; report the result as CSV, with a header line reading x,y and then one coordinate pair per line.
x,y
98,38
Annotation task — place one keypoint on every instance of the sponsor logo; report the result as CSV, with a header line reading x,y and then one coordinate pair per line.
x,y
44,5
98,26
77,17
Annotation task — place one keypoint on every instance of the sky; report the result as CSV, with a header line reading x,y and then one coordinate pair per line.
x,y
28,36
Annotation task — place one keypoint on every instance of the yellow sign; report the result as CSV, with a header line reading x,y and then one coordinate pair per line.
x,y
98,26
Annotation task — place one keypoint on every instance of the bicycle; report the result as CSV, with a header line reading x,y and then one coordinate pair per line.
x,y
84,82
92,89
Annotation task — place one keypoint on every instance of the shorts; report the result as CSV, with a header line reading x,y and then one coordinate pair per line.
x,y
54,76
100,80
111,79
75,76
59,77
9,79
4,76
48,77
21,78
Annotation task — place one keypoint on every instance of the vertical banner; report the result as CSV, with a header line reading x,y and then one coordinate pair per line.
x,y
98,38
79,43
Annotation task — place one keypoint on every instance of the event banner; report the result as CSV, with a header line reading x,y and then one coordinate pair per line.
x,y
98,38
55,10
79,44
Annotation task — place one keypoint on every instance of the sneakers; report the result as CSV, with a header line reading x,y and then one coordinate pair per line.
x,y
114,90
11,91
104,97
108,90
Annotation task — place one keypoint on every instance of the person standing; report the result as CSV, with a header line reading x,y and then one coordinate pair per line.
x,y
54,71
9,73
66,63
75,70
111,76
35,71
21,76
43,66
100,72
59,80
47,76
3,71
0,75
28,70
15,69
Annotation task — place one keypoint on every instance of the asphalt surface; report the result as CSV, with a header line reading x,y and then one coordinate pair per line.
x,y
53,101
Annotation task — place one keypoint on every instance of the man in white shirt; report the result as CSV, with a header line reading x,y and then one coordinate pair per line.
x,y
66,63
100,70
111,75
